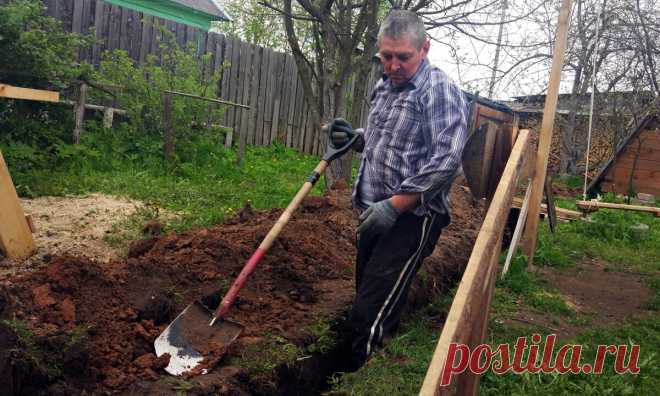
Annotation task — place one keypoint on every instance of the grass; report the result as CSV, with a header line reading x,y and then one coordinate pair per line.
x,y
201,192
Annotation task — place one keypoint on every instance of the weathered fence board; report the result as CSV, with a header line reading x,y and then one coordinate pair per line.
x,y
267,80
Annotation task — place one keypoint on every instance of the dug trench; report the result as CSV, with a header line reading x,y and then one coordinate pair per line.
x,y
80,326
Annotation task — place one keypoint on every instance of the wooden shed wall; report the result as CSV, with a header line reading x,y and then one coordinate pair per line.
x,y
646,176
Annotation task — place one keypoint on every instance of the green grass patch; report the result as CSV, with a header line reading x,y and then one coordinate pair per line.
x,y
611,235
202,187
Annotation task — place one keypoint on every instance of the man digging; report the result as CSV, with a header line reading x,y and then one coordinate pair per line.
x,y
411,147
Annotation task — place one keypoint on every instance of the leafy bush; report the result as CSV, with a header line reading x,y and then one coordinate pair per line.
x,y
140,90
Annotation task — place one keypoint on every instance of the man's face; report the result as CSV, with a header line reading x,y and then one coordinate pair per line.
x,y
400,57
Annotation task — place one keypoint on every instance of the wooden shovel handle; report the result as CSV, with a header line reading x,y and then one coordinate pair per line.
x,y
268,241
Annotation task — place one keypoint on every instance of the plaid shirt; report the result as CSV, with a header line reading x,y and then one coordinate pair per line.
x,y
413,141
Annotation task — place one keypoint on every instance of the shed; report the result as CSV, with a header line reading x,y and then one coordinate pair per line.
x,y
198,13
635,166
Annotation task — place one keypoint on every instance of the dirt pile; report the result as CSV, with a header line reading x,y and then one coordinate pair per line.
x,y
81,325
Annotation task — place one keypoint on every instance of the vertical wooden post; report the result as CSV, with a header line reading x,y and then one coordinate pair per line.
x,y
168,131
108,117
80,113
545,138
15,234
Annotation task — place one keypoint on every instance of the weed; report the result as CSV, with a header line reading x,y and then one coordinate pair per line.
x,y
325,338
264,357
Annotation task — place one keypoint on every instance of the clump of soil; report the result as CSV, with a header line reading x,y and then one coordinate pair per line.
x,y
113,311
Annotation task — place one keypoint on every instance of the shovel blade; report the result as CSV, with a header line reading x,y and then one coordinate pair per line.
x,y
189,338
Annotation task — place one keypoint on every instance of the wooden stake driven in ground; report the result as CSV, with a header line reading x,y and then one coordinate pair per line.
x,y
468,316
545,138
15,234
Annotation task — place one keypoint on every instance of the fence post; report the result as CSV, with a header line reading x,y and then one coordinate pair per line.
x,y
80,113
168,131
108,117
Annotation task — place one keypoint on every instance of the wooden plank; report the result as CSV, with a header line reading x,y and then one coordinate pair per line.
x,y
299,119
493,114
168,130
180,34
222,63
126,30
473,280
564,214
293,111
623,189
135,19
15,236
227,80
147,37
271,79
644,177
307,149
640,164
12,92
289,99
234,84
114,27
517,232
263,83
100,23
254,93
595,205
241,82
550,202
88,14
545,137
275,131
246,79
80,113
77,16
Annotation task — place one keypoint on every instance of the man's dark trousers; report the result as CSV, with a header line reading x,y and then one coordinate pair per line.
x,y
385,268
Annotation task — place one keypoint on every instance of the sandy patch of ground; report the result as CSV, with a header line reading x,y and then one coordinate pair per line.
x,y
73,225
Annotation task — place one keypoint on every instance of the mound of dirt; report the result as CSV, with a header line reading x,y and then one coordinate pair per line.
x,y
106,315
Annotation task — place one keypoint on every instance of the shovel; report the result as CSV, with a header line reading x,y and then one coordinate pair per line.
x,y
198,333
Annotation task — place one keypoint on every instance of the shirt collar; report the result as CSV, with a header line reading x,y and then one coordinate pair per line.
x,y
416,80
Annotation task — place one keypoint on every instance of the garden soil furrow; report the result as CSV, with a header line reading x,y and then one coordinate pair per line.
x,y
79,325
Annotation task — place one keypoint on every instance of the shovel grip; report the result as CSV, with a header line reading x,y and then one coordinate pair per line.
x,y
231,295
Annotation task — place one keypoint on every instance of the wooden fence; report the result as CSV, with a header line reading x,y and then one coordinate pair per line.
x,y
265,80
468,316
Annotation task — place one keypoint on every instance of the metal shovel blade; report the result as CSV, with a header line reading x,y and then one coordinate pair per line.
x,y
189,338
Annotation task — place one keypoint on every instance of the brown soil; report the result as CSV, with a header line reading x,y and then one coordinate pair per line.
x,y
593,290
98,320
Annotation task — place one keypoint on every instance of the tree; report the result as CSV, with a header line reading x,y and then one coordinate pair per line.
x,y
344,42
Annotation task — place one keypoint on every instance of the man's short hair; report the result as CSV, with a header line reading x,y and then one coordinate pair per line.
x,y
401,23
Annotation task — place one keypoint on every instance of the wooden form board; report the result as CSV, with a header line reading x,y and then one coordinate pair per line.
x,y
563,214
15,234
498,143
545,137
468,316
591,206
11,92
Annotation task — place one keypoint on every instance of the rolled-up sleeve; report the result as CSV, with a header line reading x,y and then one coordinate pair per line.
x,y
445,114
